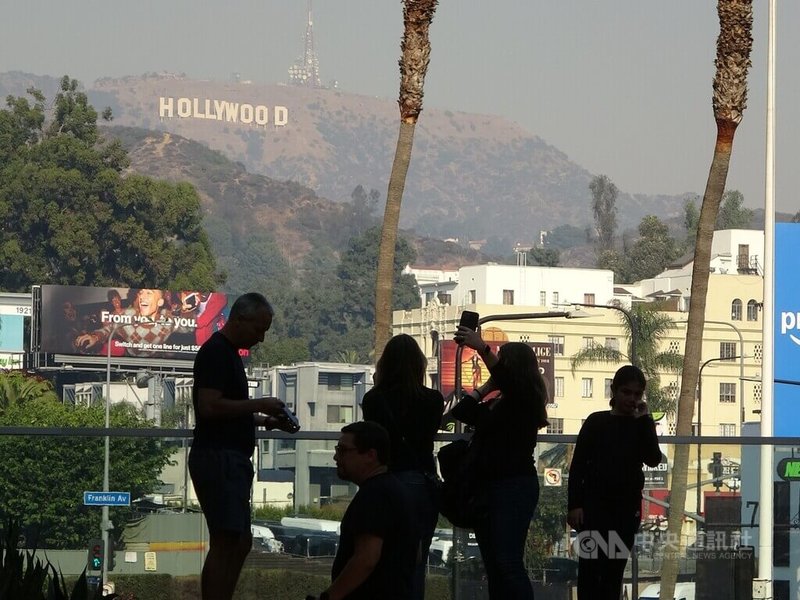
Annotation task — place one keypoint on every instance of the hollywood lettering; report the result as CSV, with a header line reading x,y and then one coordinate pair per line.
x,y
222,110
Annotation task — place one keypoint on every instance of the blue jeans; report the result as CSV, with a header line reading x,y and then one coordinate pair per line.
x,y
422,495
501,537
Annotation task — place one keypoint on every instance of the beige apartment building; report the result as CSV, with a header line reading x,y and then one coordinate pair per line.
x,y
730,390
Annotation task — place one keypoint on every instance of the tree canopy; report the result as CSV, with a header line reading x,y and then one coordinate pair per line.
x,y
44,477
70,215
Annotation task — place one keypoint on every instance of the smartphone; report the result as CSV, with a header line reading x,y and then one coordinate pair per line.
x,y
469,319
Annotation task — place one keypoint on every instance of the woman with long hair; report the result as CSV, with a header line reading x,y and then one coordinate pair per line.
x,y
605,484
505,432
412,414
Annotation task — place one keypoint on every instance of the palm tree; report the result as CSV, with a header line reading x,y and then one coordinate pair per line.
x,y
734,44
644,331
17,388
416,52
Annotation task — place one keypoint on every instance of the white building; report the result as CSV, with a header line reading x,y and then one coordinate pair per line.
x,y
733,252
514,285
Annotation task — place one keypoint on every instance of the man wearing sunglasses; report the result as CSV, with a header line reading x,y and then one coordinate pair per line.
x,y
378,544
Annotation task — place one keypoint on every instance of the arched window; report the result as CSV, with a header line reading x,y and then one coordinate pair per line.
x,y
736,310
752,310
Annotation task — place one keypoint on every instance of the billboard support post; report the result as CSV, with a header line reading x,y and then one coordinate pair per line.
x,y
105,523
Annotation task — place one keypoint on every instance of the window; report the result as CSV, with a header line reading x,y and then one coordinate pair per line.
x,y
428,297
336,381
588,342
555,298
543,298
559,385
558,344
586,387
727,350
444,298
736,310
727,392
752,310
556,425
340,414
743,257
607,391
727,429
508,297
588,298
612,343
473,294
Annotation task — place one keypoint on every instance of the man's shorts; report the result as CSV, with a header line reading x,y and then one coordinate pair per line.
x,y
222,480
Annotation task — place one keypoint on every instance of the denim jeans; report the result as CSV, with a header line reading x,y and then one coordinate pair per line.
x,y
501,537
423,504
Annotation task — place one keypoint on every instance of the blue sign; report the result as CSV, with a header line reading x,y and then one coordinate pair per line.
x,y
786,420
106,498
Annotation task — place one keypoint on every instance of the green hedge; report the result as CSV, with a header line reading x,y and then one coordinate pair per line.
x,y
254,584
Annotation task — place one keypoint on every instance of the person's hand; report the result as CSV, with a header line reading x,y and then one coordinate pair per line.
x,y
575,518
641,409
85,341
487,388
271,406
472,339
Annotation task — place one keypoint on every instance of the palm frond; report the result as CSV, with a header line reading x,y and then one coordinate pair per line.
x,y
596,353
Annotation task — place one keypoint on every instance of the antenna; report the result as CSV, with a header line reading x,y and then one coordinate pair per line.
x,y
305,71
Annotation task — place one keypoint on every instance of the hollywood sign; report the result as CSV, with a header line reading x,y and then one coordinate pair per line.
x,y
221,110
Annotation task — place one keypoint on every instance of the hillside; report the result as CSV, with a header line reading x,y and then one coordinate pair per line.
x,y
474,176
238,203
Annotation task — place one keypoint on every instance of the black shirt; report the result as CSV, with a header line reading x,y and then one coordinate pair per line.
x,y
381,508
607,463
506,430
411,430
218,366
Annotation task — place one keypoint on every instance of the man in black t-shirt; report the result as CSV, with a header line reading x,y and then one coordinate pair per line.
x,y
378,543
224,439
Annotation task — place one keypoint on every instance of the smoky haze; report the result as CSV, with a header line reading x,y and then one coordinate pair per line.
x,y
624,90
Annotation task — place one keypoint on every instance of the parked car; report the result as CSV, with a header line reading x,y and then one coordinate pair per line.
x,y
683,591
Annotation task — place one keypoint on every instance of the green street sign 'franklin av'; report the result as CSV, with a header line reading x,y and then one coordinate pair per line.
x,y
789,469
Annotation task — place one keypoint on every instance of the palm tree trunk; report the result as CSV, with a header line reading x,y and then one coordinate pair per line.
x,y
729,101
386,251
416,53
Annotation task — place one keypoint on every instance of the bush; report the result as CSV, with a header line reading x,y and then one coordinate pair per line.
x,y
147,587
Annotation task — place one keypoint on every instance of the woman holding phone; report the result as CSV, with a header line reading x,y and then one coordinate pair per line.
x,y
605,484
506,428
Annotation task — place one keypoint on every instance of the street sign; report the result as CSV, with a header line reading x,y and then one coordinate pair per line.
x,y
106,498
552,477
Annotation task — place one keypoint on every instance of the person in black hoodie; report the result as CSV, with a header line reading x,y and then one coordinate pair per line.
x,y
605,485
412,414
505,432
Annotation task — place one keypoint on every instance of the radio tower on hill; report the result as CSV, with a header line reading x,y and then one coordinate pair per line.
x,y
305,71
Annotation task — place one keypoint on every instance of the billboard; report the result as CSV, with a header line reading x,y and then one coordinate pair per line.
x,y
136,322
474,373
787,330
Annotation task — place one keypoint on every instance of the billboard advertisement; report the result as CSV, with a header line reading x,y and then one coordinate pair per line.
x,y
474,373
136,322
787,330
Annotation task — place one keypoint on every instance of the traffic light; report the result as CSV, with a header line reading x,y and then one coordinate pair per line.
x,y
716,469
96,555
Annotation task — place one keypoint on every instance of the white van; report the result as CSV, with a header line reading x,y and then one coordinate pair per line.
x,y
683,591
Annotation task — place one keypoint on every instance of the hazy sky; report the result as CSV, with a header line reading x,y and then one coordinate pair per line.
x,y
621,87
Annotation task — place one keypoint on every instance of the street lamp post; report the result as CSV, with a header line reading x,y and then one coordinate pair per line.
x,y
741,363
631,323
105,523
700,420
